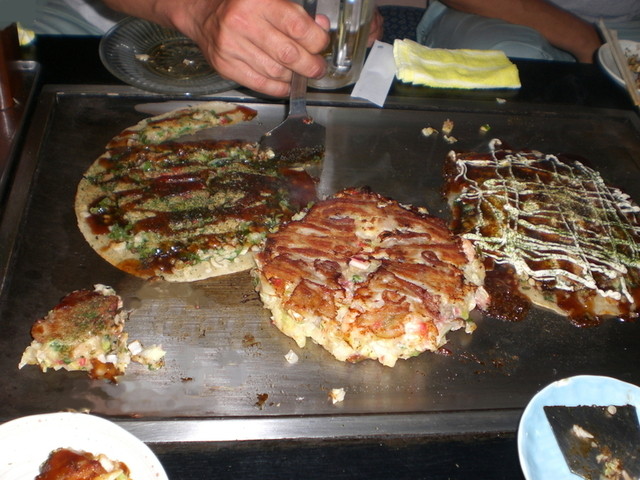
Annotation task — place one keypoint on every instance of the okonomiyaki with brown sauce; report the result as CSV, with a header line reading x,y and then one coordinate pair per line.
x,y
157,207
568,241
369,278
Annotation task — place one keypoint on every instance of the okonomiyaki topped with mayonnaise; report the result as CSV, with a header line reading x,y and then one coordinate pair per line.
x,y
570,240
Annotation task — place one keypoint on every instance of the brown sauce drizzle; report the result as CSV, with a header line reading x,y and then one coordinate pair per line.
x,y
580,314
507,303
260,194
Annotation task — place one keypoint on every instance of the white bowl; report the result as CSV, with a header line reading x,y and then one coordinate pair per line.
x,y
25,443
605,58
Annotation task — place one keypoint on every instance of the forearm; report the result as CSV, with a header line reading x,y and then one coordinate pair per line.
x,y
149,9
170,13
562,29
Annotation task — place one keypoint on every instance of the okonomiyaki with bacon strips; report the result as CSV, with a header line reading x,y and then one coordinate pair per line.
x,y
569,240
369,278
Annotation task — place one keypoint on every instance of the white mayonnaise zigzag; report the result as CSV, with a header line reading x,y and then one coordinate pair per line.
x,y
556,223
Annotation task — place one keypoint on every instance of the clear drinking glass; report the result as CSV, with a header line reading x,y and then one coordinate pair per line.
x,y
350,23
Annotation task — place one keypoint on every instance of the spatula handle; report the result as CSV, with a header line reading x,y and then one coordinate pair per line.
x,y
310,6
297,97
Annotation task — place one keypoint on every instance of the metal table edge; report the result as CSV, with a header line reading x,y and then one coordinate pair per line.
x,y
323,427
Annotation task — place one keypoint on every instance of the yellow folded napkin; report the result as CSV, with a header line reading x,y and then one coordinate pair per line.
x,y
438,67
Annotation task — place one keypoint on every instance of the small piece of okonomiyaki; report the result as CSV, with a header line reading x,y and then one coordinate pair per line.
x,y
369,278
85,332
568,241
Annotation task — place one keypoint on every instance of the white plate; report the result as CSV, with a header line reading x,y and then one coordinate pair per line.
x,y
605,58
25,443
158,59
540,456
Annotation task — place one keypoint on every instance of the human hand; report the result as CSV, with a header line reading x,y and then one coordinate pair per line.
x,y
258,43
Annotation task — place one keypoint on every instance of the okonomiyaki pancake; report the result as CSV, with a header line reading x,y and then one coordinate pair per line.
x,y
569,240
85,331
156,207
369,278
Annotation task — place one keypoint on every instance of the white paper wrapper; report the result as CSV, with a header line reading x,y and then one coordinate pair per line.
x,y
377,74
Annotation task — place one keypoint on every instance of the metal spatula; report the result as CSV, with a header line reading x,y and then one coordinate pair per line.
x,y
299,137
594,438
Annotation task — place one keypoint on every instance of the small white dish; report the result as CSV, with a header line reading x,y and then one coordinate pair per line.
x,y
605,58
25,443
158,59
540,455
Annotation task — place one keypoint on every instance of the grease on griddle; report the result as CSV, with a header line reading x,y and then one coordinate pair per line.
x,y
507,303
250,341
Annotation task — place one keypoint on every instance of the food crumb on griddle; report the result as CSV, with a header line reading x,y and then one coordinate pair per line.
x,y
291,357
337,395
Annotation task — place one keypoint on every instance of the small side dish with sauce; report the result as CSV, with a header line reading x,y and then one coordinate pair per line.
x,y
68,464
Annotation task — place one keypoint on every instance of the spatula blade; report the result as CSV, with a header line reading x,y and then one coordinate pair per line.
x,y
296,139
595,440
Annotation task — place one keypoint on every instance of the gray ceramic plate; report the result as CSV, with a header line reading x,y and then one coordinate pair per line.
x,y
158,59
